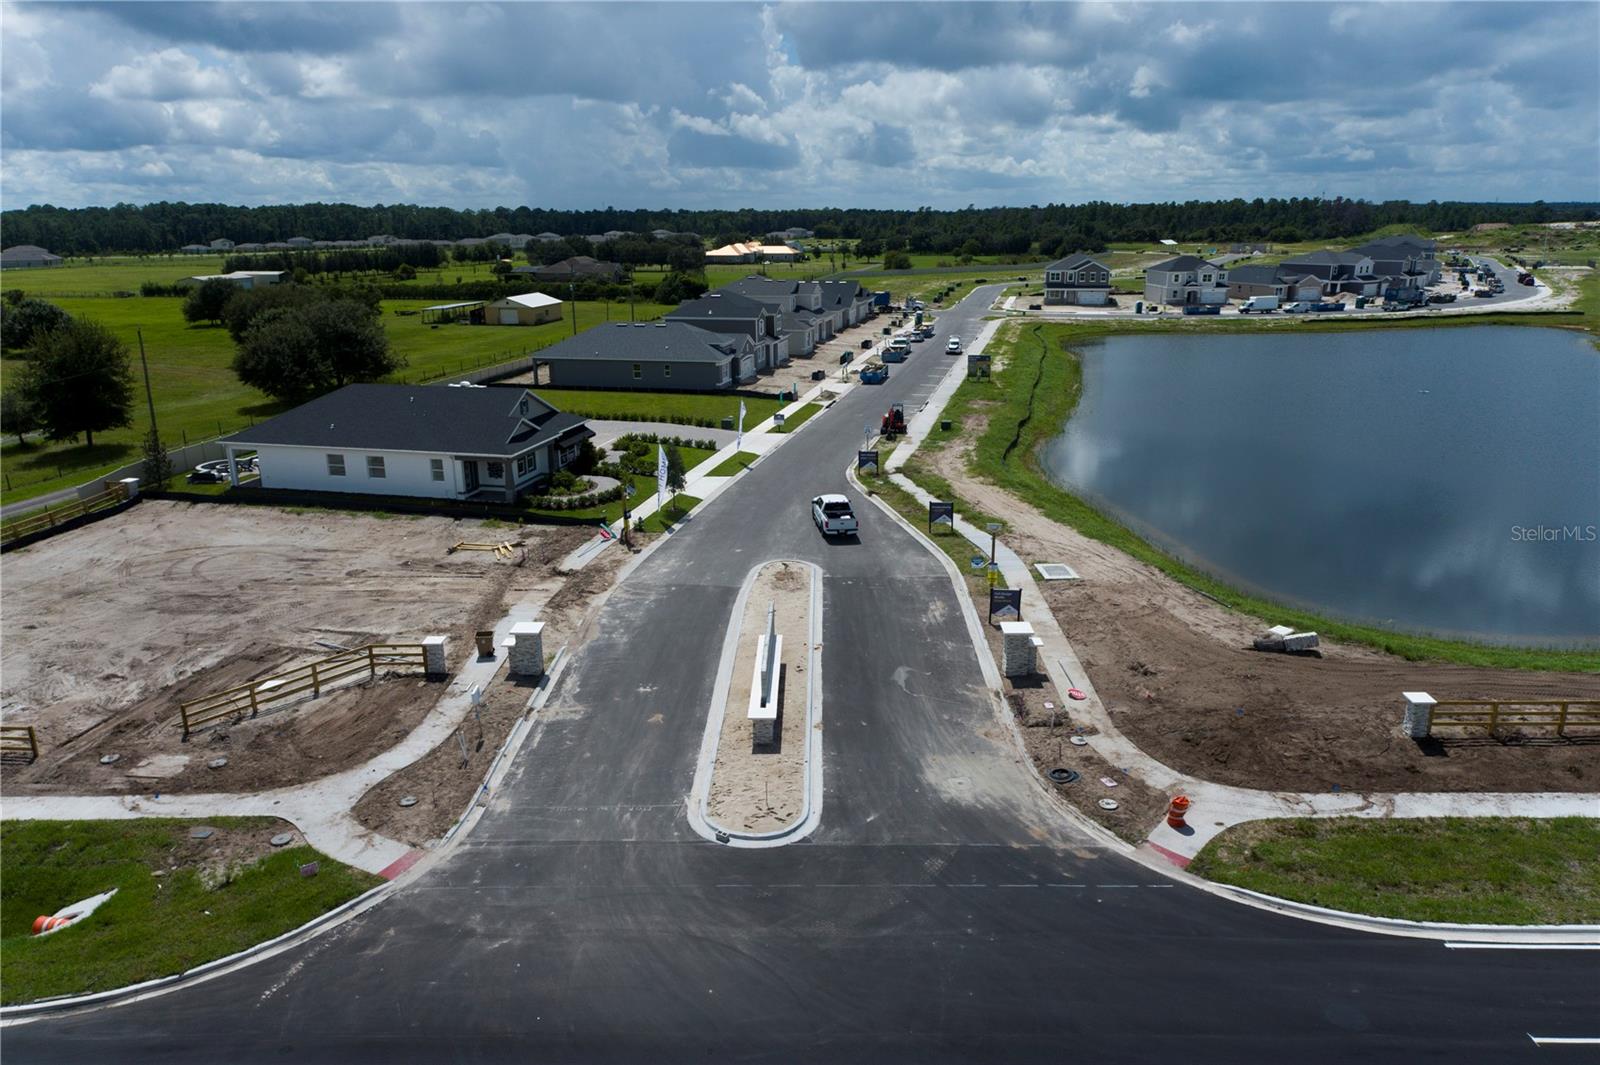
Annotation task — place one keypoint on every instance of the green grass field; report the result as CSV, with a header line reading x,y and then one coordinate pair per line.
x,y
155,925
733,464
102,277
672,511
1470,870
799,418
197,395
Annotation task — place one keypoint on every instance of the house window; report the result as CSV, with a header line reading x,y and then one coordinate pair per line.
x,y
666,370
375,466
438,468
523,465
496,470
638,371
335,465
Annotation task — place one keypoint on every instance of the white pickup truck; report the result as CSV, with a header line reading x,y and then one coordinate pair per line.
x,y
833,515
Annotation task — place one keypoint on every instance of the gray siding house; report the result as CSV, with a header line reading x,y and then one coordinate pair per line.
x,y
1405,258
1339,271
1077,280
733,314
26,256
1247,281
661,356
1186,280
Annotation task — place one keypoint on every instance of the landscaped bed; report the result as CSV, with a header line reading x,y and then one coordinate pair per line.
x,y
798,418
733,464
180,901
1457,869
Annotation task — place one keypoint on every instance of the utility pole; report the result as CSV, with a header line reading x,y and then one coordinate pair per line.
x,y
573,299
148,397
630,299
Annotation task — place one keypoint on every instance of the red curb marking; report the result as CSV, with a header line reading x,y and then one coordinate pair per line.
x,y
1172,856
401,864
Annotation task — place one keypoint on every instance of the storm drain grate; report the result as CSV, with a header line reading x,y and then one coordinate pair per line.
x,y
1056,571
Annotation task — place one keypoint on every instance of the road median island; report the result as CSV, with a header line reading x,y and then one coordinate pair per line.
x,y
759,789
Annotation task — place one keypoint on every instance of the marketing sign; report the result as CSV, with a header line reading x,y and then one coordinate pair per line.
x,y
940,512
1005,603
867,461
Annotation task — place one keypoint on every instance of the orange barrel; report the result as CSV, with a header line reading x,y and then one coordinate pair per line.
x,y
42,924
1176,810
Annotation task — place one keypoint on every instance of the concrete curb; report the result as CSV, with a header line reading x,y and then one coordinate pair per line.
x,y
698,802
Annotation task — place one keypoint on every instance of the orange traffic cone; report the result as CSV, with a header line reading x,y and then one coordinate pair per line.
x,y
1176,810
44,923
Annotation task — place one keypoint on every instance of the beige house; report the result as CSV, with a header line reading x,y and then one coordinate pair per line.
x,y
534,308
734,253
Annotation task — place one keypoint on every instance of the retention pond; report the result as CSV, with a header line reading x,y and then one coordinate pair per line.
x,y
1441,481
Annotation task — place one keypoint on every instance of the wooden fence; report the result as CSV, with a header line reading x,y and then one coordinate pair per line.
x,y
50,517
1493,716
248,700
19,739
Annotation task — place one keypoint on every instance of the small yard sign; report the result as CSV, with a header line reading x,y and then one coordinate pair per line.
x,y
938,513
1005,603
867,461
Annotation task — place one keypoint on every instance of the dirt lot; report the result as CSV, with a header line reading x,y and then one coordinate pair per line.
x,y
106,628
442,782
1175,672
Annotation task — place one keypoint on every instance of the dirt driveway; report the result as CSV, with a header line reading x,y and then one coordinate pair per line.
x,y
105,628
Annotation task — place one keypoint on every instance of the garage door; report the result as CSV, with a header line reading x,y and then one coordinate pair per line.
x,y
508,316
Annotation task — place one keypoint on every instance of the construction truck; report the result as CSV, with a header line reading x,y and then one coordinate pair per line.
x,y
894,421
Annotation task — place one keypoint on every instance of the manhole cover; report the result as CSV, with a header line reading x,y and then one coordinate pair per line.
x,y
409,800
109,759
1080,741
1076,693
282,839
201,833
1108,804
217,763
1063,776
1056,571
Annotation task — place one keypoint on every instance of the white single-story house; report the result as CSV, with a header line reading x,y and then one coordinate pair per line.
x,y
534,308
242,278
433,441
779,253
24,256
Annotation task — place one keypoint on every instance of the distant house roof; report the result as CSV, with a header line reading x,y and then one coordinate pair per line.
x,y
533,300
647,342
1330,258
26,253
426,418
761,288
573,267
1076,262
720,304
1181,264
1400,242
1255,275
735,250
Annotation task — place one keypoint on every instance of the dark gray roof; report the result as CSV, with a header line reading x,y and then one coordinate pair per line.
x,y
1255,275
761,288
647,342
427,418
1077,261
1400,242
1183,263
1330,258
719,304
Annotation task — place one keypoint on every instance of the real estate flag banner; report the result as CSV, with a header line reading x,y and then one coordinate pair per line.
x,y
739,440
661,472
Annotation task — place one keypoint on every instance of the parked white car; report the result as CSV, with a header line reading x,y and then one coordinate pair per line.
x,y
833,515
953,345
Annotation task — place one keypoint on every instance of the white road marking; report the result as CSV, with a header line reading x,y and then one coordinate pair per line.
x,y
1521,946
1563,1040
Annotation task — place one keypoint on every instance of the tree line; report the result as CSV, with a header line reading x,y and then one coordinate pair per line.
x,y
164,227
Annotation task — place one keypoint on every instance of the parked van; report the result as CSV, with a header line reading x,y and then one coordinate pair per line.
x,y
1259,305
1296,307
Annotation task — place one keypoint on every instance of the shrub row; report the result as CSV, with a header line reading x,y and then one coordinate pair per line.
x,y
674,419
583,502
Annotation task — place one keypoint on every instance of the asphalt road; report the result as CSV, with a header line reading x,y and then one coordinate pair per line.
x,y
944,910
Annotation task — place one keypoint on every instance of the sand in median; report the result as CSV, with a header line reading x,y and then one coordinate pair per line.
x,y
762,789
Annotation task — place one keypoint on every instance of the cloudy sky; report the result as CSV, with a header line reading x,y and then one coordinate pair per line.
x,y
796,104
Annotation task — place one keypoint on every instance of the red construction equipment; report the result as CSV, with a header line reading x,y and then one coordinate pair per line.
x,y
1176,810
894,421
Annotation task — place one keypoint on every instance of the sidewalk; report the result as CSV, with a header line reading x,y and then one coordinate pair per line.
x,y
1213,807
759,440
